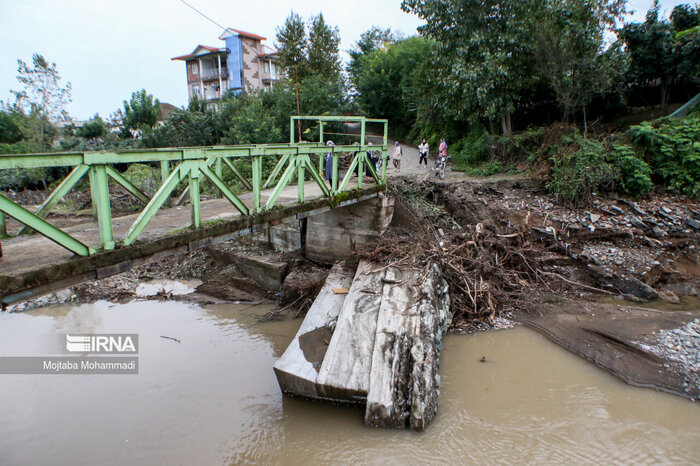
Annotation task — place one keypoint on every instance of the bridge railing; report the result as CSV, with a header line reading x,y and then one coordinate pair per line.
x,y
189,165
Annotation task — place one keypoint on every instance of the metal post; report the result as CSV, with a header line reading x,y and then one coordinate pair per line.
x,y
320,156
360,168
334,183
257,183
99,186
291,129
3,227
300,178
219,170
385,151
194,197
164,174
362,133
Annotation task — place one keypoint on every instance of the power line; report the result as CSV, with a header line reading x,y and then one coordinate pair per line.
x,y
207,17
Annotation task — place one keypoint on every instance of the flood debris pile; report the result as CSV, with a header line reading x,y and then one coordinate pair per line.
x,y
510,252
372,337
500,242
224,272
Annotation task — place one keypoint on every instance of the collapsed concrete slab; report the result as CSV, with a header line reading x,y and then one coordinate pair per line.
x,y
381,344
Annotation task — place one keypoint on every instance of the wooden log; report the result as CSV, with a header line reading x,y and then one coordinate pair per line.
x,y
298,367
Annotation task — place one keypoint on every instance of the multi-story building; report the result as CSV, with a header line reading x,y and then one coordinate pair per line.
x,y
244,64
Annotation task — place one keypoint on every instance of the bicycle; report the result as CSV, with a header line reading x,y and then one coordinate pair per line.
x,y
440,165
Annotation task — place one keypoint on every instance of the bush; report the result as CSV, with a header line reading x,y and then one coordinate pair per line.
x,y
580,169
672,147
635,173
471,149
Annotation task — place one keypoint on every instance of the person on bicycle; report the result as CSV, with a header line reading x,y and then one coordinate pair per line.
x,y
443,152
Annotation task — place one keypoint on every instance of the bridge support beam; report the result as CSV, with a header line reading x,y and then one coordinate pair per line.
x,y
194,197
99,187
43,227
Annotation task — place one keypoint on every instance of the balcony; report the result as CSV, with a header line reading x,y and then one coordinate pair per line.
x,y
211,75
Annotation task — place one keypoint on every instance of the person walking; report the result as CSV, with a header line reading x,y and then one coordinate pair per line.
x,y
423,149
329,162
398,152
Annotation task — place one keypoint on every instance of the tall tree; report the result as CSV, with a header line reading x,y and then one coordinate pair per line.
x,y
482,61
323,47
42,99
292,47
42,91
570,46
291,38
140,113
371,40
650,48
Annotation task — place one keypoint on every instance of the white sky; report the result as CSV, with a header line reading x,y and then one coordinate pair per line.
x,y
109,48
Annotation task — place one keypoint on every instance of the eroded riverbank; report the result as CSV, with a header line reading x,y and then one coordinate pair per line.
x,y
212,399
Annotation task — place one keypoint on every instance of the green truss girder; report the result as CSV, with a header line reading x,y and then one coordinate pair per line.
x,y
156,203
228,194
128,185
190,164
43,227
59,193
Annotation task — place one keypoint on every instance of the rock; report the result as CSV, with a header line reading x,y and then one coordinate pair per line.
x,y
634,207
636,222
615,209
692,223
635,287
658,232
669,296
595,218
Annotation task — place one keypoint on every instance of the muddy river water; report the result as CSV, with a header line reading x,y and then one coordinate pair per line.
x,y
212,398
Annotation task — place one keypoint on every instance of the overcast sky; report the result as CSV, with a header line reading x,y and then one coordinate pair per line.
x,y
109,48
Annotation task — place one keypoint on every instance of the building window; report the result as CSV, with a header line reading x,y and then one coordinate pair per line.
x,y
195,90
273,70
267,67
195,69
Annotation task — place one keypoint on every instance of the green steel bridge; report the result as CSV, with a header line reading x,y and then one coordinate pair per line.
x,y
297,162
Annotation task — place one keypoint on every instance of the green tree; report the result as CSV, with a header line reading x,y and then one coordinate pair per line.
x,y
370,40
42,91
140,113
323,46
483,58
570,46
650,50
387,81
10,131
684,17
92,129
292,47
42,99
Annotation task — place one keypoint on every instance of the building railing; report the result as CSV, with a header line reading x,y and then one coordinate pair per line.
x,y
190,165
214,74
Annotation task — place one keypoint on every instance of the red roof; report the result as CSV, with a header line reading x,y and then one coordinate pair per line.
x,y
245,34
192,55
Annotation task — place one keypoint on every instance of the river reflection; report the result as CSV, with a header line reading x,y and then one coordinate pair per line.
x,y
213,399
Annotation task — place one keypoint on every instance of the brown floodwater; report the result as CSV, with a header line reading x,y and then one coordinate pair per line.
x,y
213,399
